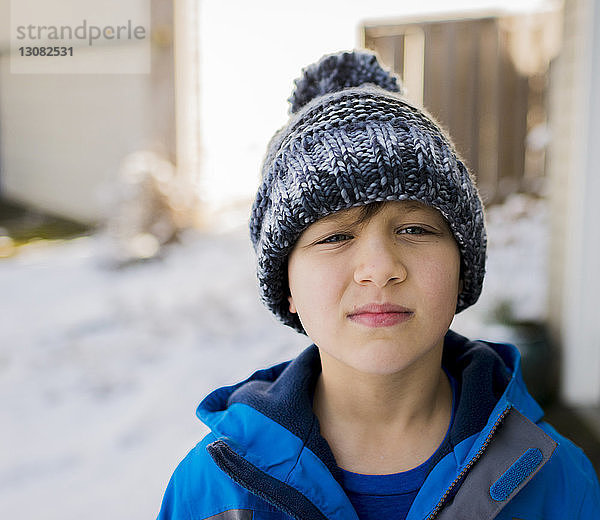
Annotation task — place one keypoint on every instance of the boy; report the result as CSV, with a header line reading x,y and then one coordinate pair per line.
x,y
370,236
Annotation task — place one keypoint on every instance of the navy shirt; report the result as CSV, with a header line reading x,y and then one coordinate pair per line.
x,y
384,496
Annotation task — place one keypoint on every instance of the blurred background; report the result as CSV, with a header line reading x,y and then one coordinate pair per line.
x,y
126,274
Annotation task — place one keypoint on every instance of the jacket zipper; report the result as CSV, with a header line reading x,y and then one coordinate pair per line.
x,y
469,465
275,501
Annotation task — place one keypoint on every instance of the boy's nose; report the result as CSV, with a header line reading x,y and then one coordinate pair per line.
x,y
378,262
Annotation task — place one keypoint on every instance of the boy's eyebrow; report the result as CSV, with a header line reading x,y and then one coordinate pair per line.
x,y
346,216
340,217
337,216
412,206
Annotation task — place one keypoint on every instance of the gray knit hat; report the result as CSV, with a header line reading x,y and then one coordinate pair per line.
x,y
353,139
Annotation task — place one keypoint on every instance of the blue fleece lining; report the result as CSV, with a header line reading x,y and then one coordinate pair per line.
x,y
287,400
516,474
482,377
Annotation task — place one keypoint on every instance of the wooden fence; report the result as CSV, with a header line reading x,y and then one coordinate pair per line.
x,y
462,72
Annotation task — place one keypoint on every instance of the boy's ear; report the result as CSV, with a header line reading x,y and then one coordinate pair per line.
x,y
292,306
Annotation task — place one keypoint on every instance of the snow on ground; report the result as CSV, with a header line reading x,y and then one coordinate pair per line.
x,y
101,368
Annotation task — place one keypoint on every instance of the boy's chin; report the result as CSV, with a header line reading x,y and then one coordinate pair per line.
x,y
376,361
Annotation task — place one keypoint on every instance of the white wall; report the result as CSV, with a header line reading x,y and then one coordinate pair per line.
x,y
574,187
63,136
582,331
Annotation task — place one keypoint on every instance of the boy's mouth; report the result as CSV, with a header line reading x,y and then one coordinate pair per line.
x,y
380,315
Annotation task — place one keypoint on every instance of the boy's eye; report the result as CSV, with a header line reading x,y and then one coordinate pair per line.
x,y
413,230
332,239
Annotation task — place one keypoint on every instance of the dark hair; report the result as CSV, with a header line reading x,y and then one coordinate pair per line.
x,y
368,211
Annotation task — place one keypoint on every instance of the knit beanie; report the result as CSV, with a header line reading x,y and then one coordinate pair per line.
x,y
353,139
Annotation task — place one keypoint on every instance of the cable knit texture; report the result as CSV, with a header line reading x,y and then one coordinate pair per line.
x,y
353,139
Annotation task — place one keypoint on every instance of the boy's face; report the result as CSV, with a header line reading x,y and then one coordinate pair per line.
x,y
377,296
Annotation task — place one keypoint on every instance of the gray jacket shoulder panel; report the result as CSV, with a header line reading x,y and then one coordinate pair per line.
x,y
516,453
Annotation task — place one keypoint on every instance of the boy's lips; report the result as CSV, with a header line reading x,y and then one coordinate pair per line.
x,y
380,314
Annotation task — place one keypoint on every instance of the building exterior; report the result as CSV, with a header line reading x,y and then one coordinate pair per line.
x,y
63,136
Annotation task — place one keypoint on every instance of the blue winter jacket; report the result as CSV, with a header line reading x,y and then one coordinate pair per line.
x,y
265,459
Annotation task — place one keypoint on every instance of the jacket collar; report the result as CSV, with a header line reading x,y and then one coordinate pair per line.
x,y
489,377
284,394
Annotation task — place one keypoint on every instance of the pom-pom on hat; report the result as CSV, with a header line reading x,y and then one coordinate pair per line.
x,y
352,139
